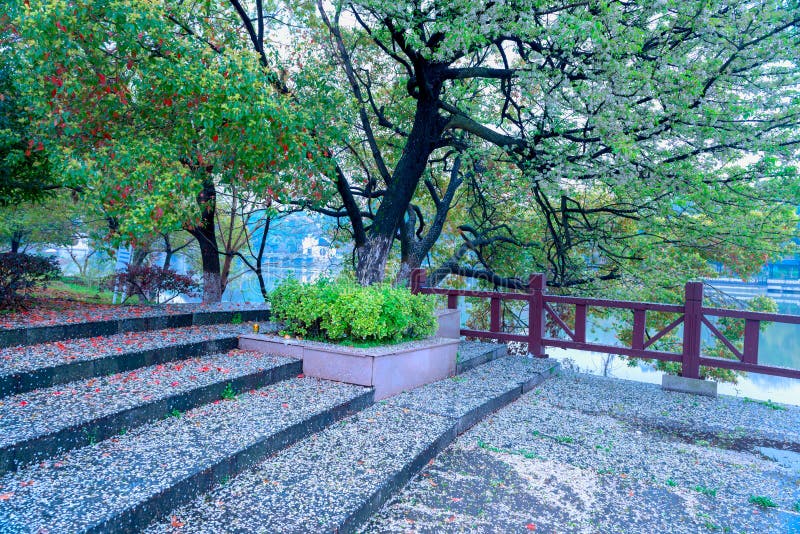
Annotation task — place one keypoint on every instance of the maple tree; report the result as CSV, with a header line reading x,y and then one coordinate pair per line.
x,y
149,106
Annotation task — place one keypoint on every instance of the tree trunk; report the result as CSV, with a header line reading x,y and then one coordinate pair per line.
x,y
16,241
260,259
206,236
373,254
372,257
167,251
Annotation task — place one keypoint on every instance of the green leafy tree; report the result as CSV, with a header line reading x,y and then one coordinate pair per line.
x,y
55,220
24,169
615,134
151,106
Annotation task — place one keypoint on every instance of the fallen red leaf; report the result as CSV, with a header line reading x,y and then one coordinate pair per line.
x,y
530,526
176,523
6,496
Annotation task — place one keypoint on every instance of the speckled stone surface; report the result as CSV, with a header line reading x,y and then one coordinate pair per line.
x,y
317,484
45,421
86,320
577,454
724,418
458,396
31,357
334,480
120,482
474,353
54,312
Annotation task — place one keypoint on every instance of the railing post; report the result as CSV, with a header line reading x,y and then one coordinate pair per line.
x,y
639,322
452,302
418,278
495,315
692,327
536,319
580,323
750,348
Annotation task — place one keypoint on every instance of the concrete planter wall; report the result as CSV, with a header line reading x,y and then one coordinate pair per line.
x,y
449,323
389,369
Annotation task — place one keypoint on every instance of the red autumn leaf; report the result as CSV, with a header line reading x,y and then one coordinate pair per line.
x,y
101,78
215,138
530,526
168,101
301,375
174,384
451,519
23,403
176,523
284,405
6,496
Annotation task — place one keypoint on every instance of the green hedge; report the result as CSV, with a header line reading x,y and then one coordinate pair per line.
x,y
344,311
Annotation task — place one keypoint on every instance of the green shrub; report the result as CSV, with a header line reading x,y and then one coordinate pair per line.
x,y
342,311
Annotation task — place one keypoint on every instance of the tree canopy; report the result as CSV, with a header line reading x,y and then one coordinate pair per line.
x,y
594,141
608,131
150,106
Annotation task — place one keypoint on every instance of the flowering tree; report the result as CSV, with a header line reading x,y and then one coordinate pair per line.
x,y
610,132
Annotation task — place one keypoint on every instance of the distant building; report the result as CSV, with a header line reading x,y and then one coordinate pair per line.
x,y
318,248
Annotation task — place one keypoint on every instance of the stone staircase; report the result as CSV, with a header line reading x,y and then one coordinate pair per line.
x,y
169,426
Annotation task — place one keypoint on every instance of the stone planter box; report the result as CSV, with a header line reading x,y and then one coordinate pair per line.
x,y
449,323
389,369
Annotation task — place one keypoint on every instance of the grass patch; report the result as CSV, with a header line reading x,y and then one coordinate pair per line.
x,y
75,291
559,439
768,403
228,393
519,452
705,490
763,501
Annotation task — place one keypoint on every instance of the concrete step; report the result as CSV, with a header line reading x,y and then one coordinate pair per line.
x,y
30,367
175,316
335,480
471,354
123,483
45,422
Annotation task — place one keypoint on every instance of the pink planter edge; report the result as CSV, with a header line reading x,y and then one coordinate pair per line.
x,y
390,369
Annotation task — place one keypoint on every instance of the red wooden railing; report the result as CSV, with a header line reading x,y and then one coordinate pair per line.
x,y
693,315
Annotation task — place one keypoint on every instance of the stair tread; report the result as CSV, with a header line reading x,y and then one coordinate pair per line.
x,y
27,358
44,411
59,312
321,483
87,486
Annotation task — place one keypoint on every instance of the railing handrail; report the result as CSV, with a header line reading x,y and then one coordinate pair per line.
x,y
693,315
